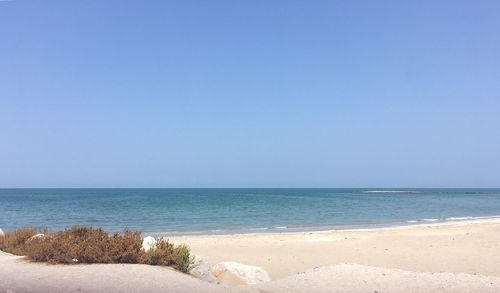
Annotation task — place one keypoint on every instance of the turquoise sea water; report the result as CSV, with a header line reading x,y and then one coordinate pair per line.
x,y
205,211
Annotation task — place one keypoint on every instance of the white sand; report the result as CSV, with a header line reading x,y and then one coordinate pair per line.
x,y
471,247
455,257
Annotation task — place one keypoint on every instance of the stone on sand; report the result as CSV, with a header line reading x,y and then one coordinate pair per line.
x,y
203,270
36,236
148,242
248,274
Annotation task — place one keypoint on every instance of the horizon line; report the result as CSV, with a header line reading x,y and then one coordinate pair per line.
x,y
250,187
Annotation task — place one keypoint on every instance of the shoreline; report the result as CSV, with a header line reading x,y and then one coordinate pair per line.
x,y
325,228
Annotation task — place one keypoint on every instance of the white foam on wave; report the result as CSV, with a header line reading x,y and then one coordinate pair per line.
x,y
453,219
258,229
268,228
459,218
390,191
471,218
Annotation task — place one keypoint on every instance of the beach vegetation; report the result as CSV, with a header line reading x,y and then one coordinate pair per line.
x,y
16,241
82,244
85,245
167,254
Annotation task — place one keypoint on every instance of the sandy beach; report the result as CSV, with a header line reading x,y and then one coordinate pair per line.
x,y
471,247
447,257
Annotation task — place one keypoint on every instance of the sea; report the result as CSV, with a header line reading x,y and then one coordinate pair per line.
x,y
169,211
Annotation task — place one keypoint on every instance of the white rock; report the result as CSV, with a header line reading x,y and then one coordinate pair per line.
x,y
36,236
2,234
202,270
249,274
148,243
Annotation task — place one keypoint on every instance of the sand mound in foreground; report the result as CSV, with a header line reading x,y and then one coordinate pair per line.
x,y
19,276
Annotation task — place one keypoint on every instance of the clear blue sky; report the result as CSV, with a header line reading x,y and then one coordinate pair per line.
x,y
249,93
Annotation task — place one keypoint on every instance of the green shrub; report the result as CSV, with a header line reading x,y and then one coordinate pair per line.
x,y
183,259
161,254
165,253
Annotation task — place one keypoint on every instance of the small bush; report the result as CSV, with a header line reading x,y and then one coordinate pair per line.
x,y
161,254
183,259
15,242
93,245
126,248
86,245
167,254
